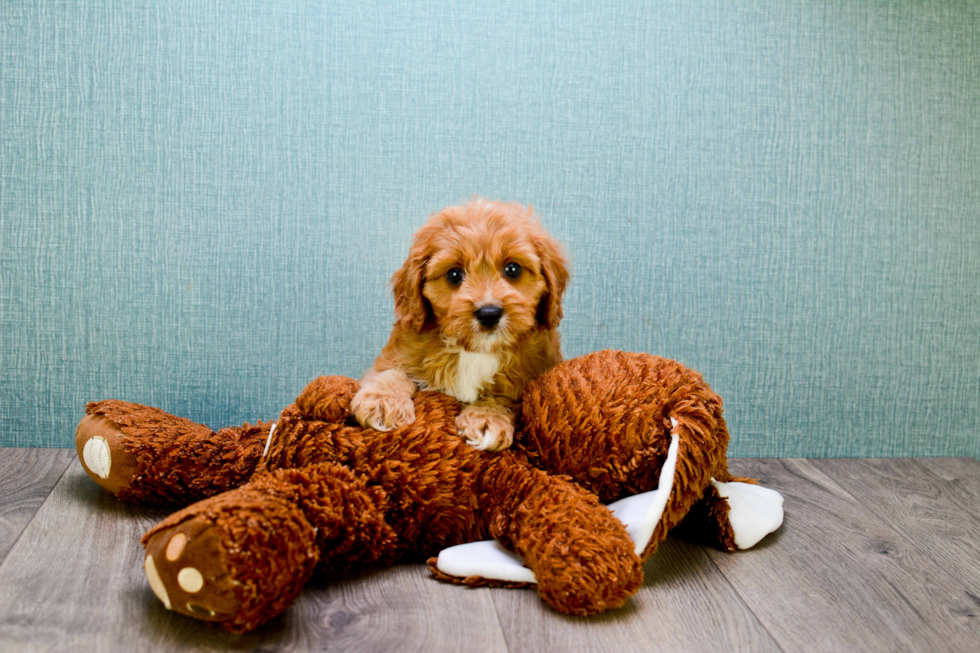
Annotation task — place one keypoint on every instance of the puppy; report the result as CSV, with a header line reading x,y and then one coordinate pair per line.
x,y
477,306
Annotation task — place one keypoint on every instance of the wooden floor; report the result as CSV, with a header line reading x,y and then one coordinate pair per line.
x,y
877,555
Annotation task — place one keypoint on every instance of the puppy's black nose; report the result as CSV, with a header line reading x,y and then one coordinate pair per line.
x,y
488,316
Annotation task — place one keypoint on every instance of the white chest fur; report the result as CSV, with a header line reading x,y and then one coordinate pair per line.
x,y
473,372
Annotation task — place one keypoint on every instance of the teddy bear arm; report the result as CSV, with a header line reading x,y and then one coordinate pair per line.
x,y
327,398
147,455
581,556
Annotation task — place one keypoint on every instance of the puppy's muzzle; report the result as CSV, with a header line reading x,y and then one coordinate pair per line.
x,y
488,316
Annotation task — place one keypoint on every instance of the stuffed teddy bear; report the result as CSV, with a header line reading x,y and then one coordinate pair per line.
x,y
640,433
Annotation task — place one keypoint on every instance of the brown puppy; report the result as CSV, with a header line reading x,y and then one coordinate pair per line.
x,y
477,303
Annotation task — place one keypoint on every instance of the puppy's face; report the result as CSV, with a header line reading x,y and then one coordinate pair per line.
x,y
483,284
483,274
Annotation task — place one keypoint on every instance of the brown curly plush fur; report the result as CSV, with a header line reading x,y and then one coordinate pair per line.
x,y
628,423
329,491
167,460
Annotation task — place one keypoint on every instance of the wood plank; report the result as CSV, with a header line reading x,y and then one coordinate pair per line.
x,y
836,577
26,478
961,479
400,608
685,604
74,581
922,506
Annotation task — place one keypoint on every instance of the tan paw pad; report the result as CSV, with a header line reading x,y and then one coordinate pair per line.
x,y
190,580
97,456
176,546
199,610
156,583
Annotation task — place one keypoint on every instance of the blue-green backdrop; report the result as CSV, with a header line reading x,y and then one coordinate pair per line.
x,y
201,202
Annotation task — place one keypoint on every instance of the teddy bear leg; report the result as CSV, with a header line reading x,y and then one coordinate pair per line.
x,y
242,557
144,454
238,558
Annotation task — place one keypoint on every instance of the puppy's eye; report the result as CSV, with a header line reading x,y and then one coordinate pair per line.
x,y
512,270
455,276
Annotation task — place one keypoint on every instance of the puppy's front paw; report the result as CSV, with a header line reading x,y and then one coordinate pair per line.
x,y
486,429
384,401
383,411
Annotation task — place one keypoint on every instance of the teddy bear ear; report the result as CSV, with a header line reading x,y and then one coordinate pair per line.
x,y
328,398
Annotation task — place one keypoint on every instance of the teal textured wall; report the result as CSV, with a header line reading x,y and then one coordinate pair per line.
x,y
201,202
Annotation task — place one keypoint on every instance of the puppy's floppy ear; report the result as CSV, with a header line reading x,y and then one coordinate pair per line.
x,y
554,269
412,309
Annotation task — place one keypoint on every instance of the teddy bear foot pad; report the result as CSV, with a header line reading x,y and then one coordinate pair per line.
x,y
187,573
101,449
